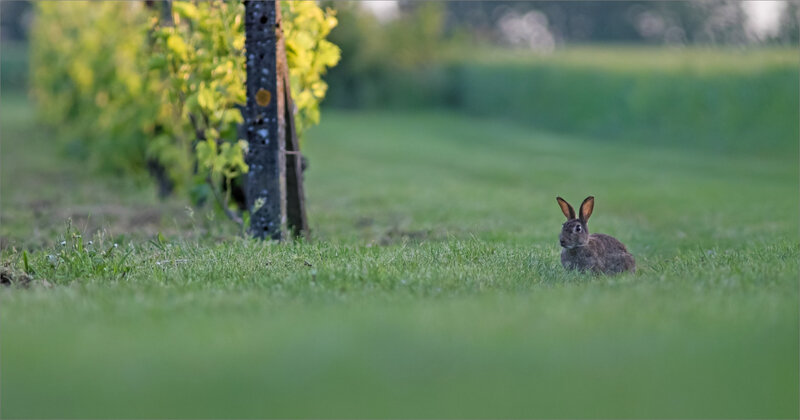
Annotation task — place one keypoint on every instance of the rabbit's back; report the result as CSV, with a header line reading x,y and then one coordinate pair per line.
x,y
612,254
607,243
602,254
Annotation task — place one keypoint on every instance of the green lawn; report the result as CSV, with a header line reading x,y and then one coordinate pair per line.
x,y
432,286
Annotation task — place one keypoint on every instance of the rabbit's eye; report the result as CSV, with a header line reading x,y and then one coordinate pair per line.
x,y
578,228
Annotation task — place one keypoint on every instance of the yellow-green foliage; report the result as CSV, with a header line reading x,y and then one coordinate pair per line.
x,y
87,79
309,54
126,87
198,67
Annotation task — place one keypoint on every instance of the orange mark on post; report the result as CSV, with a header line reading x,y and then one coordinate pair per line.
x,y
263,97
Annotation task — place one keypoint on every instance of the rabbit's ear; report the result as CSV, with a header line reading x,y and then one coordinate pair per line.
x,y
566,208
586,208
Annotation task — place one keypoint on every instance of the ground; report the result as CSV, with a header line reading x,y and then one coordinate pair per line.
x,y
431,287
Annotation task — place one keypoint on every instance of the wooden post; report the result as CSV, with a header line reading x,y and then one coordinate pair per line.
x,y
156,169
274,188
295,192
166,13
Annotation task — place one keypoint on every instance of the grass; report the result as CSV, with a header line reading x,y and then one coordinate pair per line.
x,y
431,288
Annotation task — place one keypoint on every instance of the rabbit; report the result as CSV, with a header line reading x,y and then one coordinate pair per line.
x,y
596,252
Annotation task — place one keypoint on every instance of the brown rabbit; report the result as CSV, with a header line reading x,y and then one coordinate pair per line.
x,y
596,252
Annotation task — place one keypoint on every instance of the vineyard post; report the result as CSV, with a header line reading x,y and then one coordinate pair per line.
x,y
265,188
269,127
295,192
166,13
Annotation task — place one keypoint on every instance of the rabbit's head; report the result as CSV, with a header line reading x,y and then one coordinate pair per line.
x,y
574,232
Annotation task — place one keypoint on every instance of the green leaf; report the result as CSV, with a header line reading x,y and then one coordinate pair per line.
x,y
25,262
157,62
176,44
185,10
205,98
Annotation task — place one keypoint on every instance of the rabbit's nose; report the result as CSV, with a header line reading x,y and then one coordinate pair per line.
x,y
562,242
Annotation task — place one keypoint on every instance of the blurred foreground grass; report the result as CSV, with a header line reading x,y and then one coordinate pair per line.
x,y
432,287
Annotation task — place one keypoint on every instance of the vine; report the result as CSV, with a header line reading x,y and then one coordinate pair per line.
x,y
125,88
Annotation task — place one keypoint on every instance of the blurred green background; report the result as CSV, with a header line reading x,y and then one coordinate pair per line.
x,y
432,285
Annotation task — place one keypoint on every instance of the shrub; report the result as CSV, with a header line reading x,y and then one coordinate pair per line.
x,y
128,90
